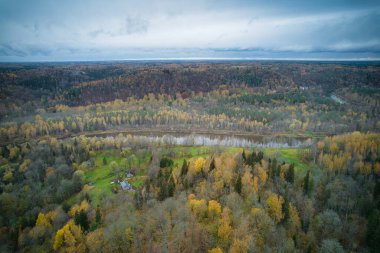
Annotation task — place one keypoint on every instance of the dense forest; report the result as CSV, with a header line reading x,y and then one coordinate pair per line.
x,y
49,84
103,157
265,98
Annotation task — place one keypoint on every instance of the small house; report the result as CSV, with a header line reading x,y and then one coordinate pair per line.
x,y
131,173
125,186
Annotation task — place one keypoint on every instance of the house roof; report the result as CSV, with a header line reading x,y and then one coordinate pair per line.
x,y
125,185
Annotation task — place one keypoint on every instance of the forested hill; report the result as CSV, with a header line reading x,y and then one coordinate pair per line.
x,y
308,99
81,83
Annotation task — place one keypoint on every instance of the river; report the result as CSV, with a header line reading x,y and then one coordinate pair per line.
x,y
220,140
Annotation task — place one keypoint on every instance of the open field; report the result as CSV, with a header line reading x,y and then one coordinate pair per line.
x,y
288,155
99,177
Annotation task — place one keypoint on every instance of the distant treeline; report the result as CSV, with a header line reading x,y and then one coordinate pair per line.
x,y
81,84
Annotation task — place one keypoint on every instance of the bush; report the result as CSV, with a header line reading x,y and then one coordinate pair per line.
x,y
166,162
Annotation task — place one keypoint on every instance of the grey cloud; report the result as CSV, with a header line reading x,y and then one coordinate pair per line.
x,y
97,32
36,50
8,50
131,25
135,25
44,29
346,34
360,29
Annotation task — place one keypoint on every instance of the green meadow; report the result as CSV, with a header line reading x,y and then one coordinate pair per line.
x,y
98,178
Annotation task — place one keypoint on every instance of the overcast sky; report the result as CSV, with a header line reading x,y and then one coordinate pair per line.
x,y
120,29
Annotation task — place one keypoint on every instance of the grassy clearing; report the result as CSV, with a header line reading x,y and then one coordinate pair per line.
x,y
99,178
287,155
137,181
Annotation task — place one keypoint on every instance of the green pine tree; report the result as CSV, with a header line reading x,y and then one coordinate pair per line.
x,y
285,206
185,168
81,219
306,183
289,176
171,187
238,184
212,165
98,216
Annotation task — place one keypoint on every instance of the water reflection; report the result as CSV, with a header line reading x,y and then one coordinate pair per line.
x,y
218,140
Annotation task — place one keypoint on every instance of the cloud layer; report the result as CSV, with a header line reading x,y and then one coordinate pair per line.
x,y
106,30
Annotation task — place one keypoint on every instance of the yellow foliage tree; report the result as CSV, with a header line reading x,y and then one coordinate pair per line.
x,y
42,221
77,208
334,148
376,168
13,152
294,217
58,240
256,184
53,142
247,182
225,229
215,250
71,237
8,175
198,207
261,226
214,208
52,215
359,166
95,240
24,166
349,151
199,164
274,207
129,235
263,176
239,246
320,145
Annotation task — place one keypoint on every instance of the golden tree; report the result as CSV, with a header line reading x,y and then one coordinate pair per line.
x,y
274,207
214,208
225,229
199,164
215,250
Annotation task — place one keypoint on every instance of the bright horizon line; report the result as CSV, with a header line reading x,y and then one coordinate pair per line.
x,y
359,59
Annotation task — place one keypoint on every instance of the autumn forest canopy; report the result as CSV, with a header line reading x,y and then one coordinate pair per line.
x,y
220,156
